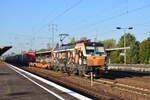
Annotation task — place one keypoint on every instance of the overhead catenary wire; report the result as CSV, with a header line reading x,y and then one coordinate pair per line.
x,y
46,17
116,16
61,14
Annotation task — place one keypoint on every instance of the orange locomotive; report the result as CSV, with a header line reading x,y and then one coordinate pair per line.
x,y
79,58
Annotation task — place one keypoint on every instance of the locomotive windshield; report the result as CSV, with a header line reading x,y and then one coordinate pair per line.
x,y
95,51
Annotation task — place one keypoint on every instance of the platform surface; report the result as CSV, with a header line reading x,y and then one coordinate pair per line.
x,y
13,86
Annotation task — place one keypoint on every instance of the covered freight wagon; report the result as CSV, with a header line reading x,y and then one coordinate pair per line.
x,y
23,58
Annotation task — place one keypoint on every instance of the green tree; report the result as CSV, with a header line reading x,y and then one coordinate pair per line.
x,y
110,43
132,54
30,49
115,57
72,41
43,50
145,51
83,38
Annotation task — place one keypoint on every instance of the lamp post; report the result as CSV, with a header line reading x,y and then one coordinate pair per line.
x,y
124,29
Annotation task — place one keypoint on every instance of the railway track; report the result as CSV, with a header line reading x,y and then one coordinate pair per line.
x,y
78,87
131,65
96,92
124,87
136,68
102,89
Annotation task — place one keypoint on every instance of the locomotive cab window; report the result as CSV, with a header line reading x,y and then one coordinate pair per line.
x,y
95,51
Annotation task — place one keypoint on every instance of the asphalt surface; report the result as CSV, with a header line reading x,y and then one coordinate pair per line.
x,y
13,86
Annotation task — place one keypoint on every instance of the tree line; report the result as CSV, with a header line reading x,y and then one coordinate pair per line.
x,y
139,52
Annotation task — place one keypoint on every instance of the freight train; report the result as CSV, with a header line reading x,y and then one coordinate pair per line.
x,y
79,58
82,58
21,59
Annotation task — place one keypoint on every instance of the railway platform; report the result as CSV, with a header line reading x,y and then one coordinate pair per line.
x,y
14,86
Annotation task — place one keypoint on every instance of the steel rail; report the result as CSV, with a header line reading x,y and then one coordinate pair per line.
x,y
124,87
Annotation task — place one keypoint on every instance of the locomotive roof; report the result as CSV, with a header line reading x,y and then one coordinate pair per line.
x,y
86,42
93,44
66,47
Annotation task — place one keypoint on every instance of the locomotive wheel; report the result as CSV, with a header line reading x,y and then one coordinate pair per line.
x,y
74,69
81,70
54,67
71,69
62,67
68,70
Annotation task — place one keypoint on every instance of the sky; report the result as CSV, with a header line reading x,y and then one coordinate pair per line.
x,y
27,24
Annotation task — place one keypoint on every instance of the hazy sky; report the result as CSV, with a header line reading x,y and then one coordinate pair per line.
x,y
24,23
